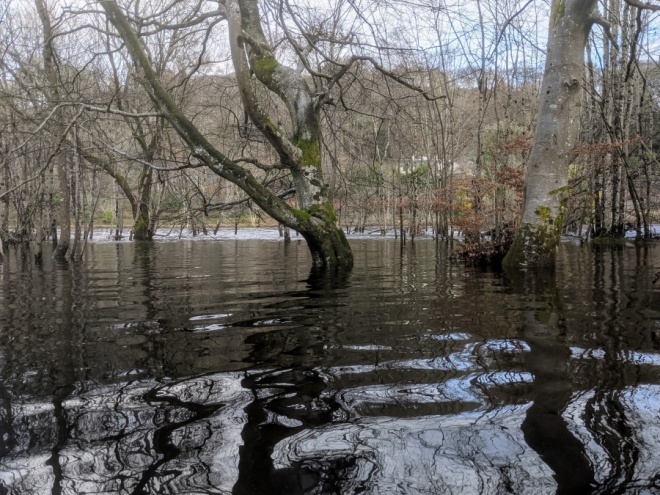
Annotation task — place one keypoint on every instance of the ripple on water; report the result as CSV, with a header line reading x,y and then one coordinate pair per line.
x,y
229,367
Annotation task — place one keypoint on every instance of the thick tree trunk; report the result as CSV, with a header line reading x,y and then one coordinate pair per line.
x,y
316,220
557,129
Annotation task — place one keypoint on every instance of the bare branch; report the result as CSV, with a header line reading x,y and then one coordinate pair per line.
x,y
263,166
48,161
607,27
645,6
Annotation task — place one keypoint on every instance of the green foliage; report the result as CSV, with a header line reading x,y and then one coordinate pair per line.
x,y
57,198
107,217
416,177
172,203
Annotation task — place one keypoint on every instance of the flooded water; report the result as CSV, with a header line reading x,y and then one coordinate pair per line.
x,y
228,367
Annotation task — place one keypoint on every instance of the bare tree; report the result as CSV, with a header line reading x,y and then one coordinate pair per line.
x,y
61,162
315,218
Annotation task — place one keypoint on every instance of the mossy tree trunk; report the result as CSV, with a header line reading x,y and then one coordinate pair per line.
x,y
299,152
143,228
557,129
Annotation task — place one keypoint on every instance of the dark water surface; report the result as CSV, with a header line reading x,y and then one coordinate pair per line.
x,y
227,367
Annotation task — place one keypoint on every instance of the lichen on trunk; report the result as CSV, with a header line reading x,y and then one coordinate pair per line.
x,y
536,244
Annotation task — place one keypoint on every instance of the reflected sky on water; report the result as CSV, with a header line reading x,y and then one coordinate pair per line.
x,y
229,367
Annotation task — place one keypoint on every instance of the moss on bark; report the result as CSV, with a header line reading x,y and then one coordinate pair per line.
x,y
326,241
310,153
264,68
558,10
536,245
141,229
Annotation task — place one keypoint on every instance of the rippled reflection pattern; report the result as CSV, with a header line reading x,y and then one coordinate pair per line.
x,y
226,367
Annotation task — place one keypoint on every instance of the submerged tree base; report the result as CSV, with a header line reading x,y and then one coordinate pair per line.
x,y
487,252
534,246
141,231
326,241
609,240
60,252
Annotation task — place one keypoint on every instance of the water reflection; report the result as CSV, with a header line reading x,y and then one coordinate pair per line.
x,y
545,429
223,368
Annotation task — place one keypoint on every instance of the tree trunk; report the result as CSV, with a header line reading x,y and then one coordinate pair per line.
x,y
315,219
76,185
64,214
4,208
39,240
64,210
557,129
143,229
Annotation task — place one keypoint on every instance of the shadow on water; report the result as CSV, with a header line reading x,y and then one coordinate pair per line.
x,y
198,367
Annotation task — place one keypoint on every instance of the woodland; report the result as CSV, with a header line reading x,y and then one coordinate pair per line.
x,y
503,124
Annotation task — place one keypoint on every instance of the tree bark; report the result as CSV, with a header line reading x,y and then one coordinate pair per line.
x,y
557,129
4,202
143,228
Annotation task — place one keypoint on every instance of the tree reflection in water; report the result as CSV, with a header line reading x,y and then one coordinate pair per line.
x,y
544,427
138,373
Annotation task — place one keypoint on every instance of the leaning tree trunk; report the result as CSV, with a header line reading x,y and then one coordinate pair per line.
x,y
299,153
557,129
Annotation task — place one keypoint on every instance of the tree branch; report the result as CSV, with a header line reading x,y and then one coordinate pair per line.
x,y
198,144
645,6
